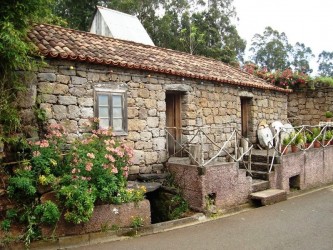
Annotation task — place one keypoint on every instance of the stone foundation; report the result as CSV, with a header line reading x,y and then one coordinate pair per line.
x,y
304,170
105,217
223,184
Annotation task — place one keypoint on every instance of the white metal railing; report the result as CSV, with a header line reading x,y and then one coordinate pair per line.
x,y
323,126
199,136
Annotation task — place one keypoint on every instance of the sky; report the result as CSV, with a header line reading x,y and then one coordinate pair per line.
x,y
305,21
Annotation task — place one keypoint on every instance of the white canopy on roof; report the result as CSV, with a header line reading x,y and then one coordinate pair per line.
x,y
119,25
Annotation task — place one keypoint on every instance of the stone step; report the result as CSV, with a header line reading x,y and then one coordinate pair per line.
x,y
152,177
258,166
261,175
259,185
269,196
261,158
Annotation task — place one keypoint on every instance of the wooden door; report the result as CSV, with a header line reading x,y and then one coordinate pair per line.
x,y
245,116
173,122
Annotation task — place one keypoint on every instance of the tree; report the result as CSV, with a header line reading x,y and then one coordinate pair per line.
x,y
78,14
271,50
325,60
199,27
16,17
301,57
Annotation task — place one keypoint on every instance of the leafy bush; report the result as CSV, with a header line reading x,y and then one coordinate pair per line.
x,y
47,213
94,169
78,200
102,162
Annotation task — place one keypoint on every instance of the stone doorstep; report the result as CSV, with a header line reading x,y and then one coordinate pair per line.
x,y
259,185
269,196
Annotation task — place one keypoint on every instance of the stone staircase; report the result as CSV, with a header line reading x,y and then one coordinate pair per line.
x,y
262,194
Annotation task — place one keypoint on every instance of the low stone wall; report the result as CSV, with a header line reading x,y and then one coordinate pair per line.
x,y
104,218
225,183
310,105
305,170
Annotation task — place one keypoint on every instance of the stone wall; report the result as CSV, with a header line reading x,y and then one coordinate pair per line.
x,y
309,105
105,217
65,90
311,168
224,184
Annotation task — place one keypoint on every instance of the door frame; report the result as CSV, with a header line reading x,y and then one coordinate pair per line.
x,y
173,120
245,115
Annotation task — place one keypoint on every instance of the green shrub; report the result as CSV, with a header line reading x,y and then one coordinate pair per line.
x,y
94,169
47,213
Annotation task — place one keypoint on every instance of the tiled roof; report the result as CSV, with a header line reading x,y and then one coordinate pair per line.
x,y
57,42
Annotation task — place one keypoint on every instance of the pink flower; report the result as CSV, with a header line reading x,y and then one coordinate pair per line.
x,y
44,144
74,170
110,158
89,166
28,168
114,170
109,142
35,153
91,155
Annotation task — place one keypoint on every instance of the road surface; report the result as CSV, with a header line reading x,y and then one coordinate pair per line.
x,y
304,222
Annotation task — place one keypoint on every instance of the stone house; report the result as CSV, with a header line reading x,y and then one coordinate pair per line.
x,y
141,91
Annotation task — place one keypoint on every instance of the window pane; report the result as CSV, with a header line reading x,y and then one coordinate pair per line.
x,y
104,123
103,100
117,113
117,124
116,101
103,112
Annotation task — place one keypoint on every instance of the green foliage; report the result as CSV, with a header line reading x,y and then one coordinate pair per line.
x,y
328,114
273,51
11,214
93,170
137,222
47,213
103,162
308,137
78,14
178,207
325,60
16,18
315,132
186,25
297,139
22,186
328,135
78,200
301,58
326,80
286,140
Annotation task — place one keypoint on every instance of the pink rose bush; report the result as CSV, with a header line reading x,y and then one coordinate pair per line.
x,y
91,170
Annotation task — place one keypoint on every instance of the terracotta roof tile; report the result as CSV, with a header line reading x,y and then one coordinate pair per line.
x,y
58,42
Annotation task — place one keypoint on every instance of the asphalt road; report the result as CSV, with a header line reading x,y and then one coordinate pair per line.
x,y
304,222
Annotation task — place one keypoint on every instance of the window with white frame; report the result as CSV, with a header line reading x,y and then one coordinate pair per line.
x,y
111,109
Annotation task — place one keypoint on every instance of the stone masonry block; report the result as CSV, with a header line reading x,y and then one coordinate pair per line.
x,y
47,77
67,100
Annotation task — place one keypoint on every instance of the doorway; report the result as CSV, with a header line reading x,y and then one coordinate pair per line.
x,y
173,122
245,115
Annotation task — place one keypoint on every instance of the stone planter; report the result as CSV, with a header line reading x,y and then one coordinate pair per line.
x,y
104,217
294,148
316,144
284,150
